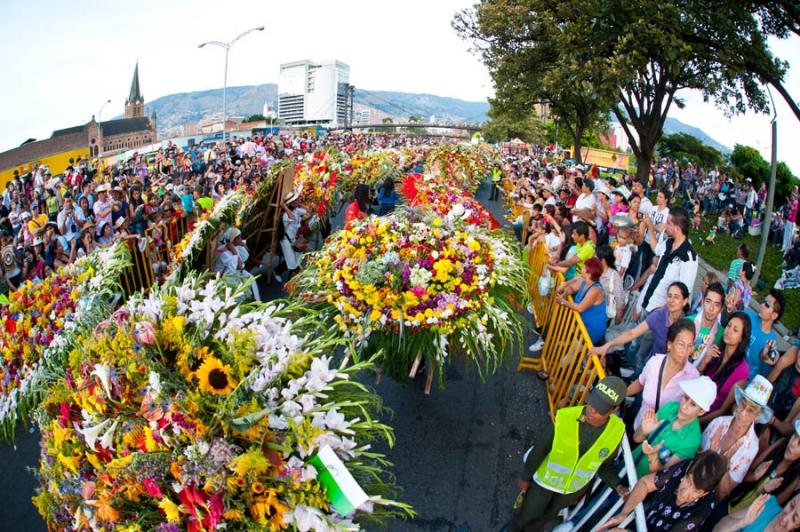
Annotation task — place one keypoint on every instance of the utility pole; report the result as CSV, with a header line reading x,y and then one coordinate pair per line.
x,y
762,245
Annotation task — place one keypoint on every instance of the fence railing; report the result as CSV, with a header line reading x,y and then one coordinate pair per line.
x,y
150,260
570,374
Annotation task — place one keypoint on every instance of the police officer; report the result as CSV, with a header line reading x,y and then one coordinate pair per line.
x,y
584,442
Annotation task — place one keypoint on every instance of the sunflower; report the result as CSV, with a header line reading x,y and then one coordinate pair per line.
x,y
214,377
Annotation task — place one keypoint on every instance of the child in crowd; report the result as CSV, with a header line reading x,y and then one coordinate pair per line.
x,y
696,221
742,285
736,264
624,249
711,238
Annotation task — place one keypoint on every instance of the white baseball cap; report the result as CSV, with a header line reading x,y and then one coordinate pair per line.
x,y
701,390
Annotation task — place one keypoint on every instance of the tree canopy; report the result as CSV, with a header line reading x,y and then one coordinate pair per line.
x,y
683,148
630,57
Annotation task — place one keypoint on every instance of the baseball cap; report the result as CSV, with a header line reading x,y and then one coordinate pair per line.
x,y
702,391
607,394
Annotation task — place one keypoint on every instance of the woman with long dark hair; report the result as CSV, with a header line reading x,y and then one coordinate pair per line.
x,y
726,364
357,210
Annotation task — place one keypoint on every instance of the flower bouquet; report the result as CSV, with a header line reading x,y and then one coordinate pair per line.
x,y
416,286
186,253
41,321
191,411
463,165
315,180
372,168
446,200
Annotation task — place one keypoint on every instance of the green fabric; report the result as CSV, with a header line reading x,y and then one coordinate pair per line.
x,y
699,341
683,442
585,252
205,203
565,470
733,269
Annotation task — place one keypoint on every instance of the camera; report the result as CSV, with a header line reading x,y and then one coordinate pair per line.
x,y
773,354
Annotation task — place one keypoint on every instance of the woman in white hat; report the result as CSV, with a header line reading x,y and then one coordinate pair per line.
x,y
673,433
734,436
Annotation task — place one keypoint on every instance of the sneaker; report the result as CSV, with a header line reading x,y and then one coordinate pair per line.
x,y
279,278
537,346
529,307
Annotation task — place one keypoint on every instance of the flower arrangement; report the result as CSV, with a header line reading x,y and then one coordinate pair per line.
x,y
413,284
186,252
41,321
192,411
372,168
446,200
463,165
315,180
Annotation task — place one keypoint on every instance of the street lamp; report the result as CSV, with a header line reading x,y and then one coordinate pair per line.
x,y
227,47
100,112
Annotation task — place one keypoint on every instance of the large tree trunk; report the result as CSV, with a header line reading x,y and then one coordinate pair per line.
x,y
577,142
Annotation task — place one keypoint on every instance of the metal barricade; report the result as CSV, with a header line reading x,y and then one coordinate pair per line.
x,y
571,373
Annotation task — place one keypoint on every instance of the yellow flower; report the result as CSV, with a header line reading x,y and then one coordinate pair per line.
x,y
233,514
171,510
253,460
214,377
257,488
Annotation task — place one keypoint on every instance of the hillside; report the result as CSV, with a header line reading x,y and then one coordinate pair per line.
x,y
177,109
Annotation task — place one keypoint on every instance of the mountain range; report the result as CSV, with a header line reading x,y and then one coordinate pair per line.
x,y
175,110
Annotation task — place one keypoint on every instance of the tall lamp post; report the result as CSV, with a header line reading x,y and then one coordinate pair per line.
x,y
765,225
227,47
100,112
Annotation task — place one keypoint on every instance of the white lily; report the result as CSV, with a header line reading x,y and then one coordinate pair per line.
x,y
108,437
90,434
103,372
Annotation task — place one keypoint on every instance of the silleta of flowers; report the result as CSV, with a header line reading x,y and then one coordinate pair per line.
x,y
188,410
187,251
412,284
315,180
445,199
463,165
42,319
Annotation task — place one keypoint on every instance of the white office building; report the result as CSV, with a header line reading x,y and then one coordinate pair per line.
x,y
311,94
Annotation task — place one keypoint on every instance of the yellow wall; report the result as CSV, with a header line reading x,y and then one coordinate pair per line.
x,y
605,158
57,163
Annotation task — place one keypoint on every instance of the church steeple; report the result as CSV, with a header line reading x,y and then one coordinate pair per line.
x,y
134,105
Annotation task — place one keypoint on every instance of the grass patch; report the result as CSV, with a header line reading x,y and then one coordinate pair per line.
x,y
723,252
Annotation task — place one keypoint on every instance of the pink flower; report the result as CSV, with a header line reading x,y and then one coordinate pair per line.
x,y
145,333
151,486
87,489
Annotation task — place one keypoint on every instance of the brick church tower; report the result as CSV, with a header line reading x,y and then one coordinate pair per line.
x,y
134,105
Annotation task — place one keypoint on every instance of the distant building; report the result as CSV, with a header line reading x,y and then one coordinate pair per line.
x,y
87,140
313,93
363,114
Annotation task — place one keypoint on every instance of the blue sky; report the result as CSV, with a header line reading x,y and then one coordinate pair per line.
x,y
64,59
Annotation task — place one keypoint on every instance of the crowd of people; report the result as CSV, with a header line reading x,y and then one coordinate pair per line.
x,y
695,375
50,217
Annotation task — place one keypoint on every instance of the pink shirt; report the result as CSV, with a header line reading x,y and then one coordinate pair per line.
x,y
670,391
740,373
793,212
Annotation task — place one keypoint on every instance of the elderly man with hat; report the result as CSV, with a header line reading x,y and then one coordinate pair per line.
x,y
581,444
232,254
734,437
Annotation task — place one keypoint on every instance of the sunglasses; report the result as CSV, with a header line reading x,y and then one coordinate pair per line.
x,y
766,304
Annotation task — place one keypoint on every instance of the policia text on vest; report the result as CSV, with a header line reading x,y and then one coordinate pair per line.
x,y
582,444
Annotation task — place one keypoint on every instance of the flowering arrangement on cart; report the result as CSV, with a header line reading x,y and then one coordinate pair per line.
x,y
225,213
463,165
415,287
189,410
315,180
41,321
372,168
445,199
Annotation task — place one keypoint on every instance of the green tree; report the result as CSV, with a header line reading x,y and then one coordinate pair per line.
x,y
641,52
387,120
255,118
748,162
685,148
503,126
520,47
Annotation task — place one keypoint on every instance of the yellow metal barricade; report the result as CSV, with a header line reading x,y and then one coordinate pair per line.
x,y
571,372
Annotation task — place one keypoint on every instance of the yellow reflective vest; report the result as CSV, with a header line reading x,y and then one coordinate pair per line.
x,y
563,470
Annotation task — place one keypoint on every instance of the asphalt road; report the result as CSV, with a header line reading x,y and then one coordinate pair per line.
x,y
457,453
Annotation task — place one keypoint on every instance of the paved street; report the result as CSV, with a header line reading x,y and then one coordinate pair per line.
x,y
457,452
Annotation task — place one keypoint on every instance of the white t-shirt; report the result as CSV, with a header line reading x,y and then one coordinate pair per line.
x,y
584,201
622,256
292,226
744,452
646,206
